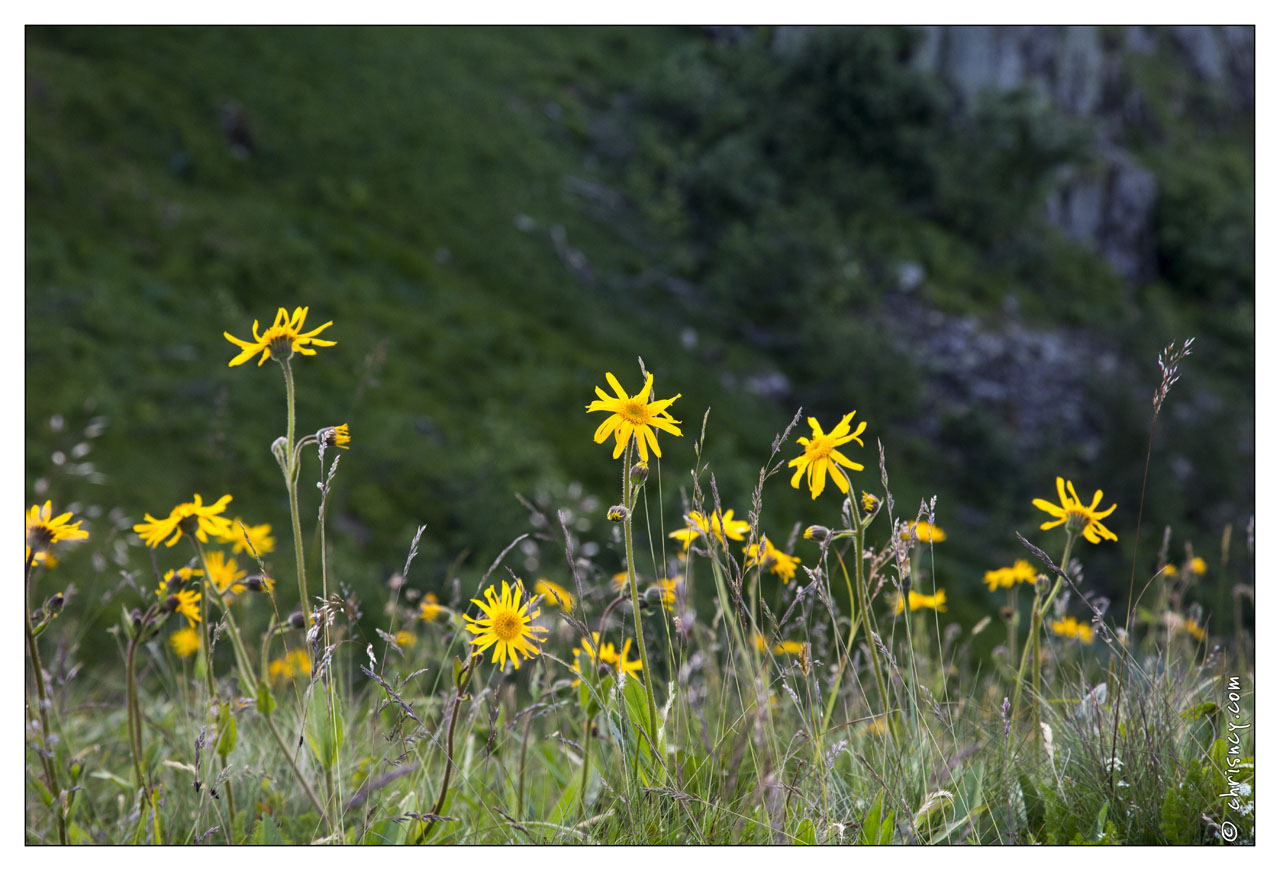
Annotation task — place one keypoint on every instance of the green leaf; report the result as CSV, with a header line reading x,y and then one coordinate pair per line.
x,y
267,834
1205,709
877,827
266,702
1034,806
226,731
324,733
805,833
457,672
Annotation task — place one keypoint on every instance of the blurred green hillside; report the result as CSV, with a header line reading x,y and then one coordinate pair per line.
x,y
494,217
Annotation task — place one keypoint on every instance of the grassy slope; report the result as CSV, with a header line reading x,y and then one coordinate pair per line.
x,y
389,171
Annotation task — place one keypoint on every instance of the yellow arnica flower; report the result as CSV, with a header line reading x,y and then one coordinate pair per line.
x,y
175,579
336,436
615,660
667,590
1194,629
1020,572
937,601
555,594
43,529
820,456
281,339
1076,515
42,558
190,517
224,573
633,415
406,638
924,531
259,536
1070,627
505,626
781,564
1169,570
186,603
699,524
795,648
430,608
1198,566
618,582
185,642
294,664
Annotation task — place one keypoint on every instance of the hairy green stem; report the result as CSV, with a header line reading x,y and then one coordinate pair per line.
x,y
1039,607
42,704
628,500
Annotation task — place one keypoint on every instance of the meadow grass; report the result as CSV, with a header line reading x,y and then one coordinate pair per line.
x,y
789,686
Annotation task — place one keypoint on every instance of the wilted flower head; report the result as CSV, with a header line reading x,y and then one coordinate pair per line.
x,y
281,339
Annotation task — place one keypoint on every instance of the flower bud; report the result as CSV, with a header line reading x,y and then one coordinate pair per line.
x,y
135,617
170,604
53,605
616,514
870,502
639,473
297,621
817,533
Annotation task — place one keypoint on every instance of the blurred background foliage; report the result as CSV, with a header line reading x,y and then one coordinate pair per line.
x,y
979,238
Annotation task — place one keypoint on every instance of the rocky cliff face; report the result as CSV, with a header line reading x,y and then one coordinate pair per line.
x,y
1086,72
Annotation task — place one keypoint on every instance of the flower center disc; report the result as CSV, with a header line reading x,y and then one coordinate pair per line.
x,y
506,625
635,412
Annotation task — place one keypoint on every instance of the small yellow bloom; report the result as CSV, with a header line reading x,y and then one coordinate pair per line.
x,y
698,524
924,531
618,582
1021,572
294,664
555,594
937,601
633,415
42,558
795,648
430,608
259,536
870,502
667,589
781,564
190,517
1078,516
1198,566
175,579
1169,570
505,626
405,638
1194,629
336,436
605,654
185,642
43,529
223,573
281,339
820,456
186,603
1069,627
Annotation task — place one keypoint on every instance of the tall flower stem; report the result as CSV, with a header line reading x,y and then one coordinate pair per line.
x,y
42,705
1039,607
628,502
459,691
289,465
